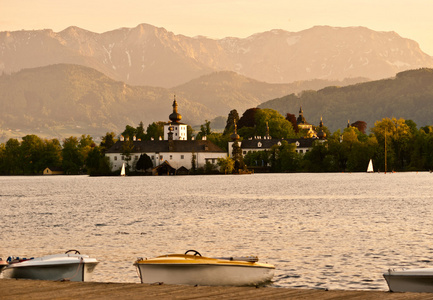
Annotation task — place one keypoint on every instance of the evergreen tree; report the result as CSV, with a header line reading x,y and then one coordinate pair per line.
x,y
107,141
144,162
140,134
232,118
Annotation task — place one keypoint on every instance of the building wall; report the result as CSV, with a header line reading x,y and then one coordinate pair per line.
x,y
179,131
175,159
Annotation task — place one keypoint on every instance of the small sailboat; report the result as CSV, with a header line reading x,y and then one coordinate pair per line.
x,y
370,167
122,172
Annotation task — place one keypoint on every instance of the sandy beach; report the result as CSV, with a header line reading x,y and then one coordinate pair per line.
x,y
39,289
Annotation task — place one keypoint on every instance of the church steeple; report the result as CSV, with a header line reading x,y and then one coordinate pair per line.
x,y
301,119
267,136
321,134
235,136
175,116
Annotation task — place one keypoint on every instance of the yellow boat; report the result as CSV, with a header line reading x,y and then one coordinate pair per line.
x,y
194,269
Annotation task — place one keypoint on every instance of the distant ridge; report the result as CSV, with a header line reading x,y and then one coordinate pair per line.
x,y
150,56
63,100
408,95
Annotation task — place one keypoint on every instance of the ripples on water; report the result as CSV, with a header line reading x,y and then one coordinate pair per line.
x,y
335,231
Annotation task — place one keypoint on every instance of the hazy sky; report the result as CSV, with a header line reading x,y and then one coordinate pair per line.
x,y
221,18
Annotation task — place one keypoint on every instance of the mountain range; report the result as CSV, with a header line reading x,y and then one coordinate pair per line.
x,y
151,56
78,82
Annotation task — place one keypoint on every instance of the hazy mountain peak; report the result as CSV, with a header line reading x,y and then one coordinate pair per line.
x,y
149,55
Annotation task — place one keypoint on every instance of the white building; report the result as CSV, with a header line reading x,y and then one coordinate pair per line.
x,y
179,129
175,150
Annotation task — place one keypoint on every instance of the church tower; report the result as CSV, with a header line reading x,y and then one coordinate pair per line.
x,y
175,130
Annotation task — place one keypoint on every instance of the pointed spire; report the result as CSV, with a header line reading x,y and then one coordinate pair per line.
x,y
321,134
267,131
235,136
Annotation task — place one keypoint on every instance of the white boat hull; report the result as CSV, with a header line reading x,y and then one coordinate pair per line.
x,y
70,267
192,270
415,280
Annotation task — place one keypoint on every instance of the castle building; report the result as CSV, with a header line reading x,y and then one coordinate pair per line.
x,y
174,152
303,145
304,125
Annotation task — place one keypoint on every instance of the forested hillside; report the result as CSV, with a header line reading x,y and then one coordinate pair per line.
x,y
409,95
63,100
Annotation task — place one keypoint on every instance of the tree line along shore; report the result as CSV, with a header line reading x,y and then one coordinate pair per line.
x,y
393,145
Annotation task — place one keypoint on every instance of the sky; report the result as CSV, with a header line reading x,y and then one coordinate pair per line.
x,y
223,18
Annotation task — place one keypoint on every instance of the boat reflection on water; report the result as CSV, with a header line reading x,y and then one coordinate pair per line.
x,y
194,269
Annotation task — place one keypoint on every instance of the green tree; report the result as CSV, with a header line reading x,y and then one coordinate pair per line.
x,y
140,134
13,163
257,158
144,162
127,148
129,132
219,139
72,158
205,130
97,163
317,159
155,131
278,126
52,153
85,144
226,165
107,141
232,118
395,136
32,148
284,157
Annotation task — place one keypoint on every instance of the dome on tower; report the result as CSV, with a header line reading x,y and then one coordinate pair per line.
x,y
175,116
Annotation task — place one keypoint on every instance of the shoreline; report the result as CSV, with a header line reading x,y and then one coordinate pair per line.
x,y
41,289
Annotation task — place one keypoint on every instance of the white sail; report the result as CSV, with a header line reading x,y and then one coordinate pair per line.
x,y
122,173
370,167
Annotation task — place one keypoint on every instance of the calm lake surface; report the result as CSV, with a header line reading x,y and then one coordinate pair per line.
x,y
335,231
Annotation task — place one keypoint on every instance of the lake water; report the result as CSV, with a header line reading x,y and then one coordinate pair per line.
x,y
335,231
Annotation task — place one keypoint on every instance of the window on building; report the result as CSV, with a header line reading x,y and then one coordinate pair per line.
x,y
115,158
171,157
301,151
123,157
182,157
244,152
153,157
160,157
